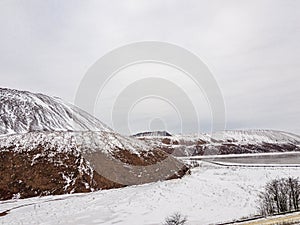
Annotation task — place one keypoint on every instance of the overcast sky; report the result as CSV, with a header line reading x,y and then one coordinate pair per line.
x,y
251,47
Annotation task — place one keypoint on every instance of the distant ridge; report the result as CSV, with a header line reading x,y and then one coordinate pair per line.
x,y
224,142
152,133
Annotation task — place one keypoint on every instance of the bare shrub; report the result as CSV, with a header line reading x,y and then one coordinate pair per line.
x,y
279,196
175,219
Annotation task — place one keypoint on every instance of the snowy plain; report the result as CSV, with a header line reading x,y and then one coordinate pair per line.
x,y
211,194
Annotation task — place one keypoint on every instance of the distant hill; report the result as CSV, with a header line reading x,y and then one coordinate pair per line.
x,y
225,142
152,134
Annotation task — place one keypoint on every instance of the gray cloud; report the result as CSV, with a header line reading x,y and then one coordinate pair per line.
x,y
252,48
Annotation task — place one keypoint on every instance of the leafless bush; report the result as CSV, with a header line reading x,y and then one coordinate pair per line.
x,y
176,219
194,163
280,195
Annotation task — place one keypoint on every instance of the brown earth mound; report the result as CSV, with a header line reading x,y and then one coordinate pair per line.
x,y
50,168
26,175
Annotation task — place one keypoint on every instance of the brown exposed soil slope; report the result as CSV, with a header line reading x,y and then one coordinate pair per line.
x,y
51,163
24,175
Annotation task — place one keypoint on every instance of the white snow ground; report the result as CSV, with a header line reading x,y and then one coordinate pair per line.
x,y
211,194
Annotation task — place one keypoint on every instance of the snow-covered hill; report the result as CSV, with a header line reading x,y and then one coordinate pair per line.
x,y
225,142
153,134
50,147
23,111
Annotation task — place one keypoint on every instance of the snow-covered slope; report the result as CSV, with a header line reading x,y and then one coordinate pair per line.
x,y
37,119
226,142
210,195
86,141
23,111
